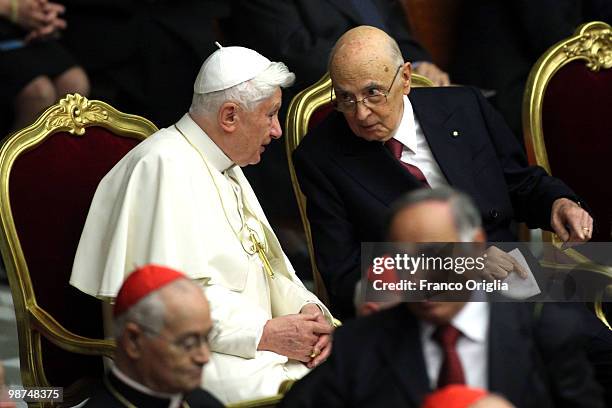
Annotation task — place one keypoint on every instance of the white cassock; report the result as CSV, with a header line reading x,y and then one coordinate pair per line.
x,y
177,200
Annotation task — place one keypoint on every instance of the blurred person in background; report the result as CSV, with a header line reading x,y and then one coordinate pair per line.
x,y
161,325
143,55
460,396
35,70
4,397
399,355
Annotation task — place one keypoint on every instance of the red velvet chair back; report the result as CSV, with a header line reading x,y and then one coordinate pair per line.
x,y
567,101
568,98
578,137
50,171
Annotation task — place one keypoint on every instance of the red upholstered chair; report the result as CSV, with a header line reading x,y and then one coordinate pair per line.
x,y
307,109
48,175
566,121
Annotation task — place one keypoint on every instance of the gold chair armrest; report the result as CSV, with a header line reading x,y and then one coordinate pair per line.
x,y
67,340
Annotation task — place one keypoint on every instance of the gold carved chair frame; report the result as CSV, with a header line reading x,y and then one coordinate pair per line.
x,y
591,43
72,114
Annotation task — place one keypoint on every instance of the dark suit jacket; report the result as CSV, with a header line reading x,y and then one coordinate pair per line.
x,y
350,183
301,33
103,398
378,362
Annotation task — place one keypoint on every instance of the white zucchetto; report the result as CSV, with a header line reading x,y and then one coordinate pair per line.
x,y
227,67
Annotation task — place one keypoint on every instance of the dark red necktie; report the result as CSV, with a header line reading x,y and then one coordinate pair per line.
x,y
451,371
396,147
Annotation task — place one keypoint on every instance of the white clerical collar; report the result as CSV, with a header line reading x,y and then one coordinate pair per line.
x,y
209,149
175,399
472,321
406,131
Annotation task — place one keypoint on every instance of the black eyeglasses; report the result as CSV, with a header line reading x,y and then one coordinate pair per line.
x,y
377,97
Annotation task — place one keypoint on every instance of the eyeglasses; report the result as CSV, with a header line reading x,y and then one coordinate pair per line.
x,y
187,344
377,97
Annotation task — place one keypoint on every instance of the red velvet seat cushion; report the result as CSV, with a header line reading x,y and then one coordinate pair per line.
x,y
577,124
51,188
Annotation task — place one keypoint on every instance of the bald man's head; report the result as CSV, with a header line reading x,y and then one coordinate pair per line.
x,y
366,45
370,80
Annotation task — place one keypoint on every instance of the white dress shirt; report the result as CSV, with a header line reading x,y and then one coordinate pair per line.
x,y
415,149
472,346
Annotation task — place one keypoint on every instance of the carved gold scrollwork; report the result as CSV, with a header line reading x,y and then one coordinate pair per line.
x,y
75,112
595,46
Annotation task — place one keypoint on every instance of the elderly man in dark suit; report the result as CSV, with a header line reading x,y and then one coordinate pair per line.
x,y
395,357
301,33
389,139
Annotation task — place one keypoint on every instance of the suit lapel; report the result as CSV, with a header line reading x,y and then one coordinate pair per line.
x,y
372,166
404,356
346,7
508,348
451,152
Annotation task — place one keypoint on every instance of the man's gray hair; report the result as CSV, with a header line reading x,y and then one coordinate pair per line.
x,y
149,312
465,214
248,94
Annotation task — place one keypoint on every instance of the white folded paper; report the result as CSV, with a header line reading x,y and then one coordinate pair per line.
x,y
519,288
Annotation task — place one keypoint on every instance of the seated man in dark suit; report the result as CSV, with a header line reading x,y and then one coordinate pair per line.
x,y
161,324
301,33
348,167
397,356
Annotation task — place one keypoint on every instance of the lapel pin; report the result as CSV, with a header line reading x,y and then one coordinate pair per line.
x,y
455,133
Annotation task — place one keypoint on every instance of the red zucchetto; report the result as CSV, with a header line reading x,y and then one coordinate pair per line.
x,y
453,396
142,282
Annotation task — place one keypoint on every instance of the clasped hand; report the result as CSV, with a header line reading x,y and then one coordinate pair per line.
x,y
40,17
304,337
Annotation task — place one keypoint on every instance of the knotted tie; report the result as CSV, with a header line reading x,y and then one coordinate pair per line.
x,y
451,371
395,147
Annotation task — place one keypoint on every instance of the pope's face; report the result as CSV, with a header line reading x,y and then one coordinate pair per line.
x,y
357,80
257,129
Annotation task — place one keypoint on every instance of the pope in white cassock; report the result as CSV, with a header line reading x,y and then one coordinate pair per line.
x,y
180,199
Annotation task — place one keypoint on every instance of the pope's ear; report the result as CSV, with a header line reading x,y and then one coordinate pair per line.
x,y
227,117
